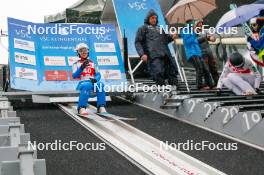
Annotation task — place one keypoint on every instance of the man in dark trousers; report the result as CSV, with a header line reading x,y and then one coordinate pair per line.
x,y
207,53
152,47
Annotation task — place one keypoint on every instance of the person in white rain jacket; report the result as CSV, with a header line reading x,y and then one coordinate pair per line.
x,y
240,76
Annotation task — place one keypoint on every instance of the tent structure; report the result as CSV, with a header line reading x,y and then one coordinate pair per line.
x,y
90,11
109,16
83,11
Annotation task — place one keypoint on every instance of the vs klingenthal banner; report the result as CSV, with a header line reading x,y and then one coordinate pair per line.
x,y
130,16
41,55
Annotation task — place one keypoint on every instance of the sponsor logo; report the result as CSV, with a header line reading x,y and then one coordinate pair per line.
x,y
107,60
54,61
72,60
111,74
138,5
22,33
24,44
104,47
103,38
26,73
25,58
56,75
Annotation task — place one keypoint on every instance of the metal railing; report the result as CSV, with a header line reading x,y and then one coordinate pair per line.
x,y
179,42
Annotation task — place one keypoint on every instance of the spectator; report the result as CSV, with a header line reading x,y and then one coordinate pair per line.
x,y
256,42
194,56
152,47
207,54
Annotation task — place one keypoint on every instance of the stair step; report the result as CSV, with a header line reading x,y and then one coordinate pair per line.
x,y
172,100
170,106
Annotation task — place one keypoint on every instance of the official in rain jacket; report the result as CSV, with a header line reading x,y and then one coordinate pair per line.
x,y
152,46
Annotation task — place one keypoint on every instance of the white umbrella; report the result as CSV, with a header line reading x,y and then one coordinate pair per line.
x,y
190,9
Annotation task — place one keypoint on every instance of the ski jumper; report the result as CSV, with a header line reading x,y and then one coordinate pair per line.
x,y
240,80
90,77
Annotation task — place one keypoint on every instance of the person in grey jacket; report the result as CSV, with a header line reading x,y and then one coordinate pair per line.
x,y
207,54
152,47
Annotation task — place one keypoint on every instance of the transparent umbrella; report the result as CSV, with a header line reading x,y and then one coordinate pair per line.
x,y
239,15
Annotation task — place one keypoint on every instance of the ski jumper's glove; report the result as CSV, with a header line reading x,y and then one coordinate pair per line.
x,y
93,80
85,64
97,77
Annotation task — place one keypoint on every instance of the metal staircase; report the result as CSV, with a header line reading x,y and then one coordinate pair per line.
x,y
239,117
17,157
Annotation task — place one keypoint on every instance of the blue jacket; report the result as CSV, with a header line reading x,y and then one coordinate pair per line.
x,y
86,74
257,45
191,44
77,71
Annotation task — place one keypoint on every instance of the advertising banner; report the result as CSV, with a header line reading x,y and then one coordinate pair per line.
x,y
42,55
130,16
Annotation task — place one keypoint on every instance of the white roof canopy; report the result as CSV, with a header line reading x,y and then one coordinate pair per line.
x,y
82,6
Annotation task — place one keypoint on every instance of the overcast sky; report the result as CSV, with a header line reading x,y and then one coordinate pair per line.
x,y
28,10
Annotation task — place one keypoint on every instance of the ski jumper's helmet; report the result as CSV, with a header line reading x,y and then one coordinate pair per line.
x,y
81,46
237,60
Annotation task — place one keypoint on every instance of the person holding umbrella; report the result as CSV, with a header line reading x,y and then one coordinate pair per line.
x,y
194,56
207,54
255,27
239,16
256,42
190,10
